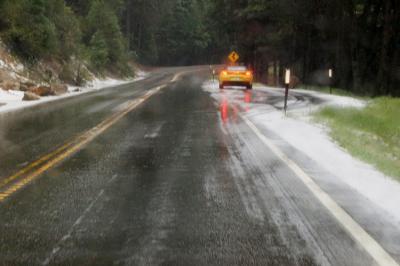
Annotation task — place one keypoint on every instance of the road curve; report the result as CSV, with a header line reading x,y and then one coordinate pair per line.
x,y
177,179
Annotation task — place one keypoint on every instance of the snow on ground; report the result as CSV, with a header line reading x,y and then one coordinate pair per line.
x,y
331,100
336,100
15,67
12,100
297,129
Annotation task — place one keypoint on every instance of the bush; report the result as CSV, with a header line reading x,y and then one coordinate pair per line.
x,y
42,29
99,56
106,39
38,28
30,36
67,28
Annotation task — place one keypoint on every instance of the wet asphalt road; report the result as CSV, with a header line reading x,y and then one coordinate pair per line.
x,y
178,181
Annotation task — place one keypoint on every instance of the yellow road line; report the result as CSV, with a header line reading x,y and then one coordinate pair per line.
x,y
52,159
33,165
43,159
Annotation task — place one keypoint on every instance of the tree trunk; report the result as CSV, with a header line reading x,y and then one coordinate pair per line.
x,y
394,81
383,73
128,23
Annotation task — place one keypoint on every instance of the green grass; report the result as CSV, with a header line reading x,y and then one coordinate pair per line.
x,y
371,134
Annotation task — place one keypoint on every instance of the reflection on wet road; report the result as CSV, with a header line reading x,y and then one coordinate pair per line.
x,y
244,95
180,180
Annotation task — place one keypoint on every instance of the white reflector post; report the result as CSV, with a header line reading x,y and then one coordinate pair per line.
x,y
287,76
330,73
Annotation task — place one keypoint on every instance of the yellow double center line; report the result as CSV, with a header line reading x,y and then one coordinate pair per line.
x,y
17,181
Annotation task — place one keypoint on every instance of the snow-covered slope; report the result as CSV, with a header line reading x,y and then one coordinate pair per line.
x,y
12,99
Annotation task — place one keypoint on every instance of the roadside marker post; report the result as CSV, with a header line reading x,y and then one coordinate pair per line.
x,y
212,71
287,82
330,73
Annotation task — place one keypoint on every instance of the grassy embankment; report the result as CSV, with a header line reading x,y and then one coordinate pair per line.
x,y
371,134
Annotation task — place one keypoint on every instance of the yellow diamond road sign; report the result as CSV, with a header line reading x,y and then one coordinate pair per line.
x,y
233,57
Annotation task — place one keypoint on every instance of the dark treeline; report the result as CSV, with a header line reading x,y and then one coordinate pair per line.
x,y
169,32
358,39
108,32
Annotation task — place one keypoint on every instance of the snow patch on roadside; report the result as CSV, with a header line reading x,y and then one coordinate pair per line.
x,y
10,97
12,100
13,66
298,130
314,141
335,100
98,84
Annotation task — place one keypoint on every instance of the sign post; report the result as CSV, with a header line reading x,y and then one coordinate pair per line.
x,y
287,83
330,80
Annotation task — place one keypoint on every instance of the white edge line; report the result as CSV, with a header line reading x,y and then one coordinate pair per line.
x,y
176,77
179,74
371,246
70,231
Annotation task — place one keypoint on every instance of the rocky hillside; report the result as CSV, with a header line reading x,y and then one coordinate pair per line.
x,y
44,78
36,81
